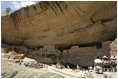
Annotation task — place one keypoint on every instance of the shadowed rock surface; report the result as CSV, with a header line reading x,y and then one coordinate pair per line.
x,y
82,56
51,29
62,24
113,47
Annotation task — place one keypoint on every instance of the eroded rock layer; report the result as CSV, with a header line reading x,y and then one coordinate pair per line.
x,y
83,56
67,32
62,24
113,46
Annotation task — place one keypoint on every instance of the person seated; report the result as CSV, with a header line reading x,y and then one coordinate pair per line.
x,y
97,61
90,68
98,65
78,68
106,63
113,63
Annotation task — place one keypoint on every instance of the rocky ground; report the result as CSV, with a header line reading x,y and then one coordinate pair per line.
x,y
13,70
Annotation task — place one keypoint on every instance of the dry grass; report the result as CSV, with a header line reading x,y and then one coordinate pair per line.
x,y
13,70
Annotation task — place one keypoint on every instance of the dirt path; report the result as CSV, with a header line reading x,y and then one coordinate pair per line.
x,y
66,73
97,75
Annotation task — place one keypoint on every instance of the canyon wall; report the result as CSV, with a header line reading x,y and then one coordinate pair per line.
x,y
72,32
63,24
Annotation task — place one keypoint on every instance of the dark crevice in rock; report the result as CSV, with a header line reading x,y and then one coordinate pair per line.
x,y
53,3
53,9
64,4
81,29
107,19
103,24
59,6
3,40
62,47
90,26
97,44
77,12
52,56
34,7
26,9
92,20
15,17
44,5
60,57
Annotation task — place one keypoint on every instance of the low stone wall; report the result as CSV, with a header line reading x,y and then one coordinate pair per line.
x,y
113,47
83,56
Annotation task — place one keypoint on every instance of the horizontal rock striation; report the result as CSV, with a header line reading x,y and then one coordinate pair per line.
x,y
61,23
82,56
70,32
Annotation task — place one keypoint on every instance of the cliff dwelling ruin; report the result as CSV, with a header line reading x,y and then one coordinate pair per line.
x,y
62,31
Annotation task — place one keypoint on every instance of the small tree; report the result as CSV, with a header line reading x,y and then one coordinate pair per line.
x,y
8,10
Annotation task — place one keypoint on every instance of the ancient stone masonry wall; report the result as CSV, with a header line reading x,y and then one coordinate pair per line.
x,y
47,54
72,32
61,23
113,47
83,56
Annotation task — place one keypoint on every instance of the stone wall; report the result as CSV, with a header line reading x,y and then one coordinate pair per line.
x,y
85,56
76,55
113,47
47,28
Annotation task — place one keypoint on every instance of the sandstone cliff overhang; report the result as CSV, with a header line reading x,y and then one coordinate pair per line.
x,y
61,23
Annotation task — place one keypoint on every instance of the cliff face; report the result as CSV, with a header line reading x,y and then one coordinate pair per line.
x,y
82,56
62,24
113,47
72,27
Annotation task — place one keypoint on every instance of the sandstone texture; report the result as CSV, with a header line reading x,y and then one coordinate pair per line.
x,y
62,24
73,32
113,47
82,56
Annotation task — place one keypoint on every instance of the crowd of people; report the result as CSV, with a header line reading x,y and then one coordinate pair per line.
x,y
100,64
105,64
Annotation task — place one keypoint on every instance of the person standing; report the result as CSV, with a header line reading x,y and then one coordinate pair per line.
x,y
83,75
